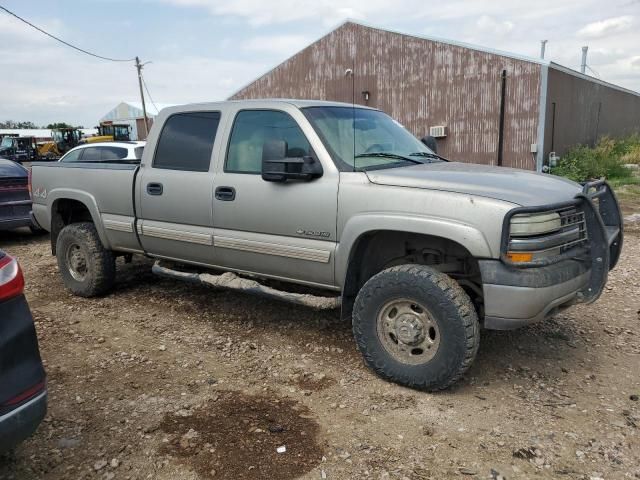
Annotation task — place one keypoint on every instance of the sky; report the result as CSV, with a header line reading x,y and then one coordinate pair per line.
x,y
206,50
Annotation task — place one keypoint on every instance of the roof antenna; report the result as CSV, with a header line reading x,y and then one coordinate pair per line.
x,y
349,73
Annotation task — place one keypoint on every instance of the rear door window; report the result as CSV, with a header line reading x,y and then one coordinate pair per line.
x,y
186,141
113,153
91,154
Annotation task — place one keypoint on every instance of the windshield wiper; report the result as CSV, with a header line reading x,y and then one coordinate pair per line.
x,y
428,155
389,155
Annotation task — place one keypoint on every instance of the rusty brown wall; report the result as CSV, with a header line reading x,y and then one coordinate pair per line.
x,y
421,83
586,110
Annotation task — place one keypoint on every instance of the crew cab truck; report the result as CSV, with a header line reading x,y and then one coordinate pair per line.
x,y
423,251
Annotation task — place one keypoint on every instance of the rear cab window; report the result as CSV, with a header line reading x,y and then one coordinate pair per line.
x,y
186,141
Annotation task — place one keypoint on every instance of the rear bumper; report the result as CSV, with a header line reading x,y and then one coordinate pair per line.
x,y
21,423
17,222
514,298
15,214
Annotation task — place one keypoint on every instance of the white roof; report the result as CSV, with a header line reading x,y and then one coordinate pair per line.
x,y
126,144
133,110
40,132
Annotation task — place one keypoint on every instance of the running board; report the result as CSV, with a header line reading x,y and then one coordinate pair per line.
x,y
232,281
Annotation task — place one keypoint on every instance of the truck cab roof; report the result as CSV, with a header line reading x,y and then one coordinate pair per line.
x,y
259,103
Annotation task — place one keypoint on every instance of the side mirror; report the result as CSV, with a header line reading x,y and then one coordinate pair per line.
x,y
430,142
278,167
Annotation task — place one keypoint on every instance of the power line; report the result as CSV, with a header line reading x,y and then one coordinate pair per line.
x,y
149,94
62,41
593,71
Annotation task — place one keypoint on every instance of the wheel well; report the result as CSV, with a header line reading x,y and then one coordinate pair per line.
x,y
65,212
381,249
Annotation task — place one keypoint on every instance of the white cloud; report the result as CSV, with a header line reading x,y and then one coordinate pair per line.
x,y
606,27
329,12
490,24
12,27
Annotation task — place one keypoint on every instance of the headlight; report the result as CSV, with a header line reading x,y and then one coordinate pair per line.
x,y
534,236
526,224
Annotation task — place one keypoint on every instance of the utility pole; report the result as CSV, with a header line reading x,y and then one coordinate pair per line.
x,y
144,107
543,44
583,65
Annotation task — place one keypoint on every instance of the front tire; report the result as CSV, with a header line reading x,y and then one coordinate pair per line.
x,y
87,268
416,326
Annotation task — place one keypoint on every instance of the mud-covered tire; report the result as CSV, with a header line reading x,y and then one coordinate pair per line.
x,y
87,268
449,310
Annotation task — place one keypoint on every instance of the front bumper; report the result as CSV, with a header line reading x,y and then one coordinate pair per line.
x,y
21,423
517,295
514,298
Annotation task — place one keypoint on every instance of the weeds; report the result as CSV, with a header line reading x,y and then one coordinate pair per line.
x,y
607,159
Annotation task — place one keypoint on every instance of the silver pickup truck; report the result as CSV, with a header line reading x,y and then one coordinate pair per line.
x,y
422,251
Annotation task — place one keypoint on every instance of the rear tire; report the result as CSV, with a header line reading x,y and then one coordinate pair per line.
x,y
87,268
416,326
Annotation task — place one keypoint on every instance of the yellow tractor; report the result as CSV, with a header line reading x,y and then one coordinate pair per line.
x,y
63,140
109,132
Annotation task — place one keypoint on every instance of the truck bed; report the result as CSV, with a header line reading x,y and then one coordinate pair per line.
x,y
105,188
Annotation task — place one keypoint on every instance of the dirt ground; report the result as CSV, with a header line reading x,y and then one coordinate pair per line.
x,y
167,380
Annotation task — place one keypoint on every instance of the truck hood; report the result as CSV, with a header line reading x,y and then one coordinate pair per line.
x,y
508,184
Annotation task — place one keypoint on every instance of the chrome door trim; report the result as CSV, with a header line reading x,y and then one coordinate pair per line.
x,y
178,235
266,248
118,225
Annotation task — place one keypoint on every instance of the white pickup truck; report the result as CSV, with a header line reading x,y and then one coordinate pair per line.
x,y
421,251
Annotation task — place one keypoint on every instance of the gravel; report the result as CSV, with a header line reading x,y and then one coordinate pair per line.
x,y
140,381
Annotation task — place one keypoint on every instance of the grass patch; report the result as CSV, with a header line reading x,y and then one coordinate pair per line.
x,y
607,159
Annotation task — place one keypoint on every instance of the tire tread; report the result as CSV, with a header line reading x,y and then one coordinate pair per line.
x,y
399,275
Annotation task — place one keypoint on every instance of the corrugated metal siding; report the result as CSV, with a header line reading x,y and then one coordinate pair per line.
x,y
585,111
421,83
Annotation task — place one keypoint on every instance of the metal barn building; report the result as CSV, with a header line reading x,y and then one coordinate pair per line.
x,y
130,113
496,108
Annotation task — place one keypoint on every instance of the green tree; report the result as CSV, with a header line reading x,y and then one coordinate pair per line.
x,y
59,125
14,124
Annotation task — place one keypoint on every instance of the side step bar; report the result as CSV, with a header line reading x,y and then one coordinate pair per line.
x,y
232,281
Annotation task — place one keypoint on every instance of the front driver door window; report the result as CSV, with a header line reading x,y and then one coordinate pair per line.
x,y
252,128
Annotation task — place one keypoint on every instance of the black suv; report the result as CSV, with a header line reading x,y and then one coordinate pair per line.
x,y
23,393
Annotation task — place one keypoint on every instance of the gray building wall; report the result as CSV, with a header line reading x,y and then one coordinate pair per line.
x,y
580,110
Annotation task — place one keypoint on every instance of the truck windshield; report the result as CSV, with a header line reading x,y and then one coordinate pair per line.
x,y
380,141
7,142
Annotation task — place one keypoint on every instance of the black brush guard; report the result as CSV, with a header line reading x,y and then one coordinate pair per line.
x,y
605,235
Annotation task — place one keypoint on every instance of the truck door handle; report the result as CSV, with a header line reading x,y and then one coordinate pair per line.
x,y
154,188
226,194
